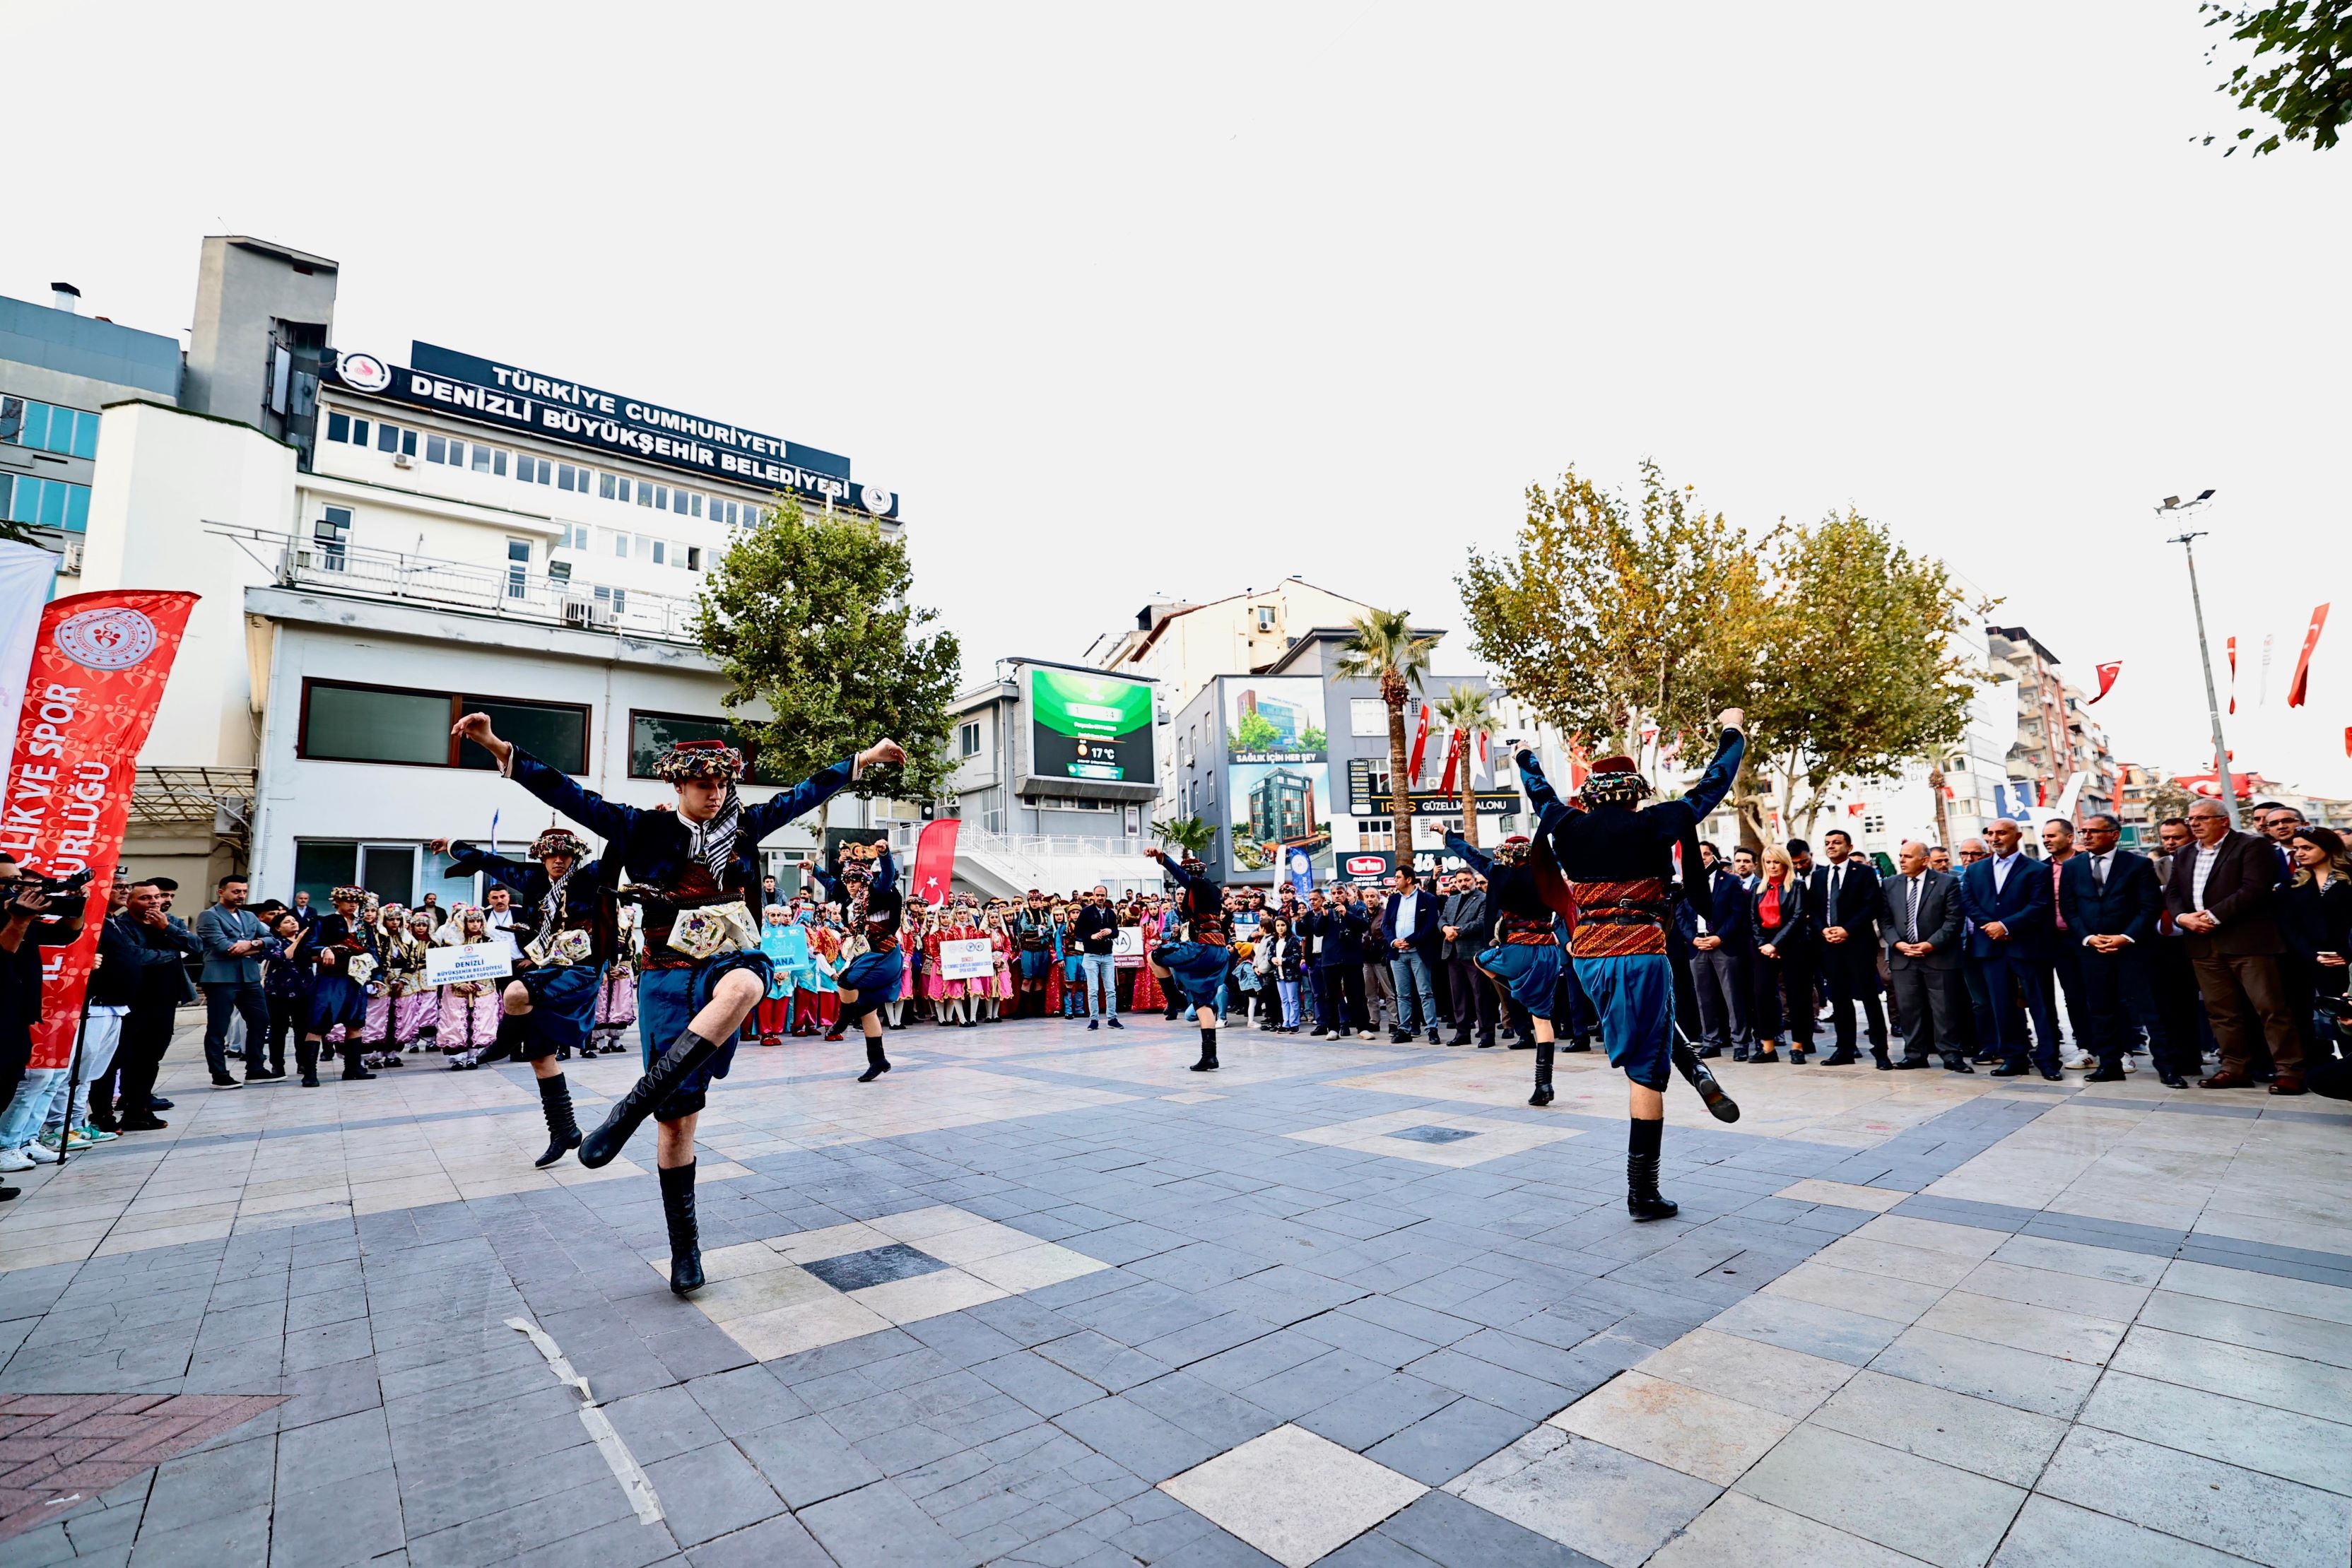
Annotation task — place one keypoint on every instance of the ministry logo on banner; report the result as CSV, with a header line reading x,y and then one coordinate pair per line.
x,y
114,638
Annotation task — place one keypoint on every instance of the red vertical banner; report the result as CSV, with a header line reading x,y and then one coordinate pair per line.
x,y
100,662
2295,693
2233,675
1420,745
935,852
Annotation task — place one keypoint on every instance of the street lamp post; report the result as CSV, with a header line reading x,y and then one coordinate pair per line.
x,y
2175,507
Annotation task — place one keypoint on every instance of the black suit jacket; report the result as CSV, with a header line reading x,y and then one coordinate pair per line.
x,y
2237,892
1857,900
1728,919
1939,919
2127,906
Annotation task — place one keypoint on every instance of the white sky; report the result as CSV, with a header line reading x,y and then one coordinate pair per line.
x,y
1132,302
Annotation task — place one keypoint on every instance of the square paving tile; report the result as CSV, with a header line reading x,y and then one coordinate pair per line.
x,y
1688,1429
1434,1135
2260,1518
1423,1135
1293,1495
876,1266
1932,1511
1741,1532
1844,1195
1601,1501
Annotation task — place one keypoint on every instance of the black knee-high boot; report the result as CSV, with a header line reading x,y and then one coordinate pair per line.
x,y
354,1066
513,1029
685,1237
1719,1106
876,1065
306,1057
628,1113
1542,1096
1643,1199
1208,1062
563,1132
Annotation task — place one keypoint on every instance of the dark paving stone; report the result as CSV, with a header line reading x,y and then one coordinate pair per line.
x,y
1456,1535
808,1461
711,1493
778,1543
1130,1435
348,1520
878,1526
876,1266
1434,1135
1438,1447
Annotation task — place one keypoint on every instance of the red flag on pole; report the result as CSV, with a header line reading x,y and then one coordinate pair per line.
x,y
1420,743
935,854
2107,673
100,662
2294,693
2233,675
1453,756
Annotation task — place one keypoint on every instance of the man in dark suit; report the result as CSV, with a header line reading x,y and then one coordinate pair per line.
x,y
2006,896
1919,918
2172,975
1843,895
1410,941
2111,902
1467,928
1722,948
2221,898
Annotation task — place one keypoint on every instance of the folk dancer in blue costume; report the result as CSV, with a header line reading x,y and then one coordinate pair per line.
x,y
1194,969
343,951
1618,859
864,883
1524,962
567,935
692,865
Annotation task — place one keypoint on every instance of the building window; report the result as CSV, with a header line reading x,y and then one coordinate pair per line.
x,y
660,552
614,598
339,426
333,533
499,464
645,494
47,427
58,504
482,458
605,486
1265,617
677,501
533,470
436,449
645,547
621,546
698,506
342,722
694,558
1375,832
568,478
651,733
518,568
968,740
387,438
1367,716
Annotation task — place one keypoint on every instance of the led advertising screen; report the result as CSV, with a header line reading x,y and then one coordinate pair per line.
x,y
1085,726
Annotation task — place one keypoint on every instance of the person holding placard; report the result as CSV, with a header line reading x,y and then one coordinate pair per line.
x,y
564,935
344,952
694,871
468,1007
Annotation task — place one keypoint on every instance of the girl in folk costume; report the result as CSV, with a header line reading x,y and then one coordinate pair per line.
x,y
934,985
1617,858
1002,954
896,1008
617,994
695,873
1148,994
416,1006
341,952
469,1012
564,931
866,886
1195,968
1070,967
1525,888
955,995
786,946
376,1044
807,995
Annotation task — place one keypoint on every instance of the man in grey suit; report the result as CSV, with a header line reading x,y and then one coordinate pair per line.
x,y
233,943
1919,920
1468,930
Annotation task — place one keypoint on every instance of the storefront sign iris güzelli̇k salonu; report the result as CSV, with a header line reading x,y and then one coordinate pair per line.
x,y
581,415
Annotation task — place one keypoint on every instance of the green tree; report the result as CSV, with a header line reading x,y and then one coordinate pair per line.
x,y
1255,733
1605,617
1312,739
1858,672
1470,710
1384,648
2306,90
810,616
1191,834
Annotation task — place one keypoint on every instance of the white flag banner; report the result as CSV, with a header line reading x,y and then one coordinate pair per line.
x,y
28,574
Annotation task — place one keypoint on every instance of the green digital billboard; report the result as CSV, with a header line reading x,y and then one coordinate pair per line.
x,y
1089,726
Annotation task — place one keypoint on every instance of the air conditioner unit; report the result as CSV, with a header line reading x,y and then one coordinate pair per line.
x,y
71,565
403,460
578,612
603,615
305,560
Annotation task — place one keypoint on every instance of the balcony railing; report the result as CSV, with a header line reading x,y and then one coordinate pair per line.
x,y
513,592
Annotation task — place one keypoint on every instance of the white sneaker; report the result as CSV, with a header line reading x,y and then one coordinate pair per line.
x,y
2129,1064
1365,1034
41,1154
2083,1062
14,1160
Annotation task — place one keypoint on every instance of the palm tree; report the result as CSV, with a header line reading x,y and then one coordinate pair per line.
x,y
1471,711
1191,834
1384,648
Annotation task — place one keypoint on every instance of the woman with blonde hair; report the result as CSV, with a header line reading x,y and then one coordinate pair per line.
x,y
1777,919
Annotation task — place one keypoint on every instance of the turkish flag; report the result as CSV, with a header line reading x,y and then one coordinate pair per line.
x,y
2107,673
935,854
1420,744
2233,675
1455,749
2294,693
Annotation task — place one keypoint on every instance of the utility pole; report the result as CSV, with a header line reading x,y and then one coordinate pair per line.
x,y
2205,656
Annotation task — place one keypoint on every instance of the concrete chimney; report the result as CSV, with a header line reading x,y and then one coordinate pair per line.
x,y
66,298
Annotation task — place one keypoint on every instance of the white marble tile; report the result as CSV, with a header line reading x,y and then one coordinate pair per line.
x,y
1602,1502
1772,1377
1842,1194
1292,1495
1742,1532
1684,1429
804,1326
1032,1267
927,1295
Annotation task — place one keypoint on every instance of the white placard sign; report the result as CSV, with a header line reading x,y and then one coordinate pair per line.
x,y
474,961
967,959
1128,944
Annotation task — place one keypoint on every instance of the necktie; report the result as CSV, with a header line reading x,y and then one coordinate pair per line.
x,y
1913,911
2055,912
2099,873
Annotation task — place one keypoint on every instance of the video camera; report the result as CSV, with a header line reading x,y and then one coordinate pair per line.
x,y
54,888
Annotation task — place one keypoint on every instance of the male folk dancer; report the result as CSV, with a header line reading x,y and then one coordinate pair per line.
x,y
345,951
866,885
1618,859
1524,962
704,972
1195,967
567,937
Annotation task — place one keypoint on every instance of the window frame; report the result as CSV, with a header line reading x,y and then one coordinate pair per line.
x,y
743,743
457,701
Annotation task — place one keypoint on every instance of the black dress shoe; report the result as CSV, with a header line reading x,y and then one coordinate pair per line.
x,y
2011,1069
1910,1062
2053,1074
2105,1075
1843,1056
1880,1061
157,1103
1956,1065
2172,1080
1457,1039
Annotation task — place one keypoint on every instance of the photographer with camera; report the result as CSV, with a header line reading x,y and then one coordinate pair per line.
x,y
34,913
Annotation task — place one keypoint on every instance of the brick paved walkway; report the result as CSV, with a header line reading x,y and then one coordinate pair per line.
x,y
1042,1297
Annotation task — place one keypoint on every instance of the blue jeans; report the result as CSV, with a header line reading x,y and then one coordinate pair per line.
x,y
1101,982
26,1113
1288,991
1412,973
